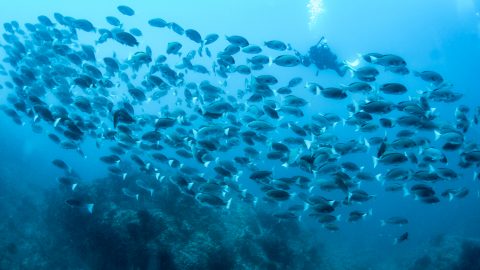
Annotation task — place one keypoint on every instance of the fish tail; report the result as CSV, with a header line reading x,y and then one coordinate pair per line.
x,y
90,207
229,202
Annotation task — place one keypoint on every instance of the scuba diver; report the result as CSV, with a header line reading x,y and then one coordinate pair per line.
x,y
321,55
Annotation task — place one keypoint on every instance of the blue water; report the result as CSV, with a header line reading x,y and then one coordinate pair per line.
x,y
38,230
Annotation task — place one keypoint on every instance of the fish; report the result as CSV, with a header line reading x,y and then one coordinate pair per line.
x,y
403,237
259,60
397,174
211,38
366,74
212,200
143,185
358,87
193,35
136,32
333,93
83,24
294,82
252,49
176,28
393,88
238,41
68,181
158,22
173,47
276,45
61,165
79,203
430,76
455,193
395,220
110,159
127,192
359,196
386,60
286,60
390,158
126,10
114,21
358,215
126,38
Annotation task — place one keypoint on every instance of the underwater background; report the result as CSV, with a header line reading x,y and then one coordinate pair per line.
x,y
145,217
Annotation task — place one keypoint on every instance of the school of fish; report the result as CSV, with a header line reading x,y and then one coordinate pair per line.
x,y
184,123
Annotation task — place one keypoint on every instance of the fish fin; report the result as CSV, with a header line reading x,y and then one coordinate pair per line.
x,y
373,59
306,206
308,143
370,212
406,192
124,176
355,105
382,223
378,177
352,64
352,72
437,135
190,185
74,186
375,161
450,197
90,207
338,217
229,202
55,124
475,175
366,143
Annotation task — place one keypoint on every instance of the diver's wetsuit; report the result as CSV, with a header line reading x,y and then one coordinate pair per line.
x,y
321,55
